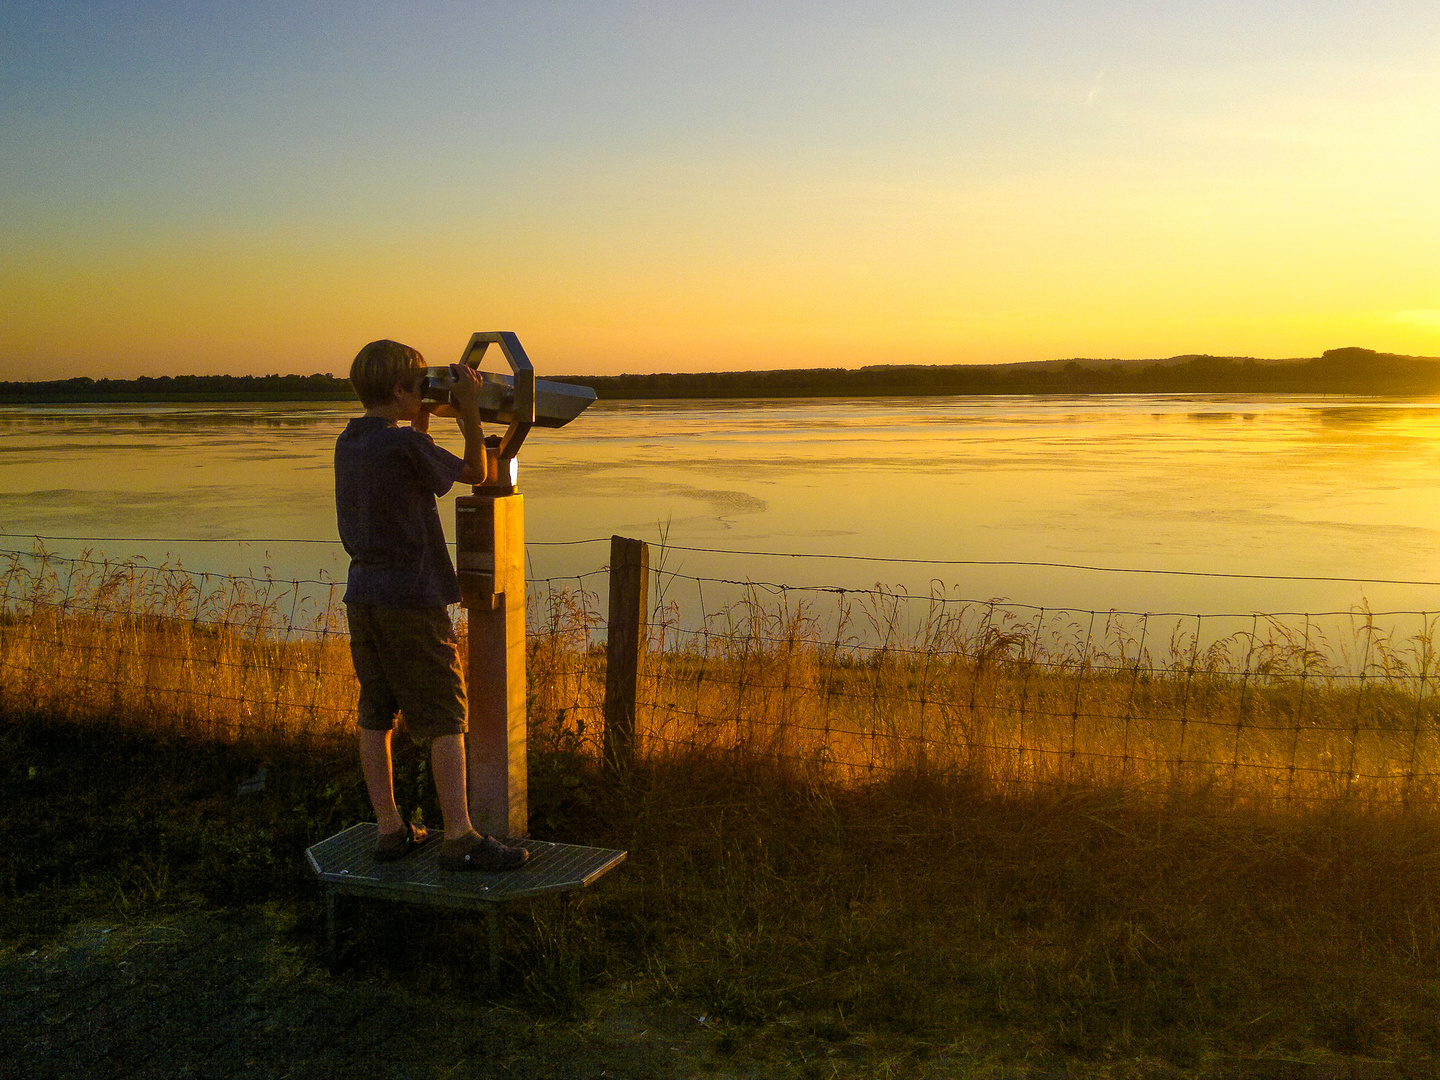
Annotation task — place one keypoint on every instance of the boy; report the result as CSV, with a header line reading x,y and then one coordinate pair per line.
x,y
401,580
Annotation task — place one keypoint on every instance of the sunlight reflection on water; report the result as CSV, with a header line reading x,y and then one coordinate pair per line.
x,y
1321,486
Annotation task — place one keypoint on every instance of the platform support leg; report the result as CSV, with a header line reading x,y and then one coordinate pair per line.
x,y
332,931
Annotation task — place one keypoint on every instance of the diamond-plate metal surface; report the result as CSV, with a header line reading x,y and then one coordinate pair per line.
x,y
344,863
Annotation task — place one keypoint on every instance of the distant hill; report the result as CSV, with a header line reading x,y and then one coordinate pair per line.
x,y
1350,370
1338,371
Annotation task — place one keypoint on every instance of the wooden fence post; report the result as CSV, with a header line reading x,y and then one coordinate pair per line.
x,y
629,593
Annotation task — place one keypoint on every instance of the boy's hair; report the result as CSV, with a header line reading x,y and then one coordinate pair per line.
x,y
378,367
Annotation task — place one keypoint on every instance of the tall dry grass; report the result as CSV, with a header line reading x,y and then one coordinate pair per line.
x,y
881,683
160,647
875,685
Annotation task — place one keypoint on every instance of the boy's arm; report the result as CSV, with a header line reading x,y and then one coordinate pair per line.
x,y
465,389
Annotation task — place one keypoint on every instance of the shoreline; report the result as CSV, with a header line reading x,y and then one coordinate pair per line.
x,y
1337,371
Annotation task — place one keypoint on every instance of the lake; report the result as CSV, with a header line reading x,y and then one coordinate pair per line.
x,y
1277,487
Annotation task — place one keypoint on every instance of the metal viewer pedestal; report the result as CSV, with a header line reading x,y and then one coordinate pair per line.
x,y
490,558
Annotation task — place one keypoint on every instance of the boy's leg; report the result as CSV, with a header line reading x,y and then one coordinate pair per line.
x,y
377,709
464,848
380,780
447,765
423,671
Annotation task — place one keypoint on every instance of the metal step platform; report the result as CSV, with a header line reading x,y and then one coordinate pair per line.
x,y
344,866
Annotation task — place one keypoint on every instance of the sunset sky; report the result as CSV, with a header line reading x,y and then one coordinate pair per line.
x,y
261,188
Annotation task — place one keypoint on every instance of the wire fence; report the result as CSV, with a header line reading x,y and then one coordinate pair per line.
x,y
862,684
839,684
217,655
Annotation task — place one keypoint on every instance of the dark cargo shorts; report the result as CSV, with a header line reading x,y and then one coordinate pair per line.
x,y
406,661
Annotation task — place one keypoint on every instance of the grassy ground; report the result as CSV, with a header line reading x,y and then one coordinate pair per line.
x,y
819,931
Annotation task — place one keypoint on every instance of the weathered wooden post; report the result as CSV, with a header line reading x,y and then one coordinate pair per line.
x,y
490,560
625,641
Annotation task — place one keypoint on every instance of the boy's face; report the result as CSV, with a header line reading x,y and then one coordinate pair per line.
x,y
407,394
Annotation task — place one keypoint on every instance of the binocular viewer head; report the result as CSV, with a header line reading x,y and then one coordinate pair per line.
x,y
518,400
556,404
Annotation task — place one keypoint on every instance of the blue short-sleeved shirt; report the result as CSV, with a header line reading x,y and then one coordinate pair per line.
x,y
386,480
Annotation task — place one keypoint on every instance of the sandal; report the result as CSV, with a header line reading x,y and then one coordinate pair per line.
x,y
394,846
477,852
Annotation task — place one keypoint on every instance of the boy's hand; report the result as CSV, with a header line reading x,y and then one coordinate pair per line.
x,y
464,386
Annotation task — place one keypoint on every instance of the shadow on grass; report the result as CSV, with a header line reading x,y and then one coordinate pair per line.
x,y
1077,926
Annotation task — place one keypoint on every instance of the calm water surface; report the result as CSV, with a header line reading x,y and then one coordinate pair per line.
x,y
1323,486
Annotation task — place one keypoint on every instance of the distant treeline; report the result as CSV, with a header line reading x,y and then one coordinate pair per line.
x,y
182,388
1337,371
